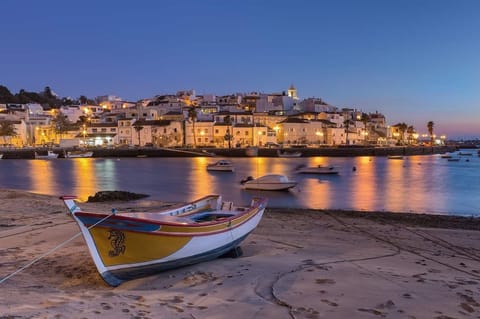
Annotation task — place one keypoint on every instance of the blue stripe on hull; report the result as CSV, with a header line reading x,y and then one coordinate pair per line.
x,y
120,224
116,277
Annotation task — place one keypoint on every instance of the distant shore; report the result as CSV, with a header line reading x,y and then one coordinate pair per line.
x,y
329,151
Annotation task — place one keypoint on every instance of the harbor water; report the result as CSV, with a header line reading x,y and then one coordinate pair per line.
x,y
419,184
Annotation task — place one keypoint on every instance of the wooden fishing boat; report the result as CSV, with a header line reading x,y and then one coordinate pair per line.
x,y
130,245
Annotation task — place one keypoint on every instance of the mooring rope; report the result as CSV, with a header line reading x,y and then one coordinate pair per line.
x,y
53,249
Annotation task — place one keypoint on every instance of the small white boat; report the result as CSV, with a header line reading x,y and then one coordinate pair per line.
x,y
396,157
328,170
446,156
79,154
288,154
270,182
1,156
221,166
50,155
464,153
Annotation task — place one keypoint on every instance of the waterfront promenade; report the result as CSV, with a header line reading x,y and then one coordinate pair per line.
x,y
341,151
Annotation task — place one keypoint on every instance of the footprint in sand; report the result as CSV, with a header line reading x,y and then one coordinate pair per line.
x,y
324,281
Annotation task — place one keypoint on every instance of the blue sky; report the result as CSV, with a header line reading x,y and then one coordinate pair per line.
x,y
413,60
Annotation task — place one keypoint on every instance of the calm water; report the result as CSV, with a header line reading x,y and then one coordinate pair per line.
x,y
423,184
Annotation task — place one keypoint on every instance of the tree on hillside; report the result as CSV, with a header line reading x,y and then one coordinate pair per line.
x,y
7,129
6,96
430,125
61,124
83,99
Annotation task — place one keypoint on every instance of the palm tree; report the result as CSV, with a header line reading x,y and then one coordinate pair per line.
x,y
347,124
228,135
430,125
410,132
192,115
138,127
402,127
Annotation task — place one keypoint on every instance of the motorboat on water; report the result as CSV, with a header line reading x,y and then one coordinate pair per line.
x,y
79,154
269,182
395,157
221,166
320,169
446,156
129,245
1,156
288,154
50,155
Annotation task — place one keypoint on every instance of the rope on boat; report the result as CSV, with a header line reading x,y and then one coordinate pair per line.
x,y
52,250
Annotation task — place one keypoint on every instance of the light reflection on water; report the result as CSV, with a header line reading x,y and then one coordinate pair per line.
x,y
424,184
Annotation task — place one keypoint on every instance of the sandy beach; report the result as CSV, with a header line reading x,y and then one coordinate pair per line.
x,y
296,264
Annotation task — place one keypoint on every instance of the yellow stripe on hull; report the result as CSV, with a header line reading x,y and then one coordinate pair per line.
x,y
117,247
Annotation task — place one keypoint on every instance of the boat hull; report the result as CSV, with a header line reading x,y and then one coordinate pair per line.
x,y
79,155
314,170
269,186
125,248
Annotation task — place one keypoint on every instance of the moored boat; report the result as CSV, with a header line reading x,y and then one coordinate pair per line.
x,y
128,245
396,157
326,170
50,155
288,154
79,154
270,182
221,166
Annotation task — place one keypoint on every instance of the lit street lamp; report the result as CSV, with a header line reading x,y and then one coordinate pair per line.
x,y
84,135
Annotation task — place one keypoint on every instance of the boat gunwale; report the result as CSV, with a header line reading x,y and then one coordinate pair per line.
x,y
253,211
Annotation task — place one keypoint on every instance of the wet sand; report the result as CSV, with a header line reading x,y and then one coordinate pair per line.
x,y
296,264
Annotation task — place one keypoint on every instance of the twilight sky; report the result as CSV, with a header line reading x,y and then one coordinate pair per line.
x,y
412,60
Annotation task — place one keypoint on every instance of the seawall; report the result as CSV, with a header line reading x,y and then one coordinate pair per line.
x,y
235,152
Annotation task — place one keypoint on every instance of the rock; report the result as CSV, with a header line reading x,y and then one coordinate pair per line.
x,y
106,196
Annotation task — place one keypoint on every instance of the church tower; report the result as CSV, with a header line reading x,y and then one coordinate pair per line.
x,y
292,92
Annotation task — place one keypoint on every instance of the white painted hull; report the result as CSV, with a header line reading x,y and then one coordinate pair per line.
x,y
79,155
270,186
